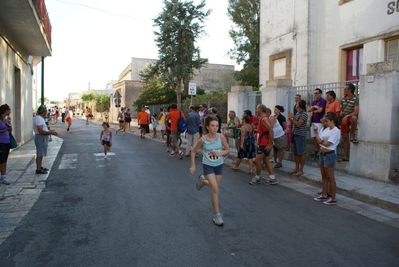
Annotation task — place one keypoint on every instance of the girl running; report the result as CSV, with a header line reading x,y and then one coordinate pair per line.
x,y
106,138
214,147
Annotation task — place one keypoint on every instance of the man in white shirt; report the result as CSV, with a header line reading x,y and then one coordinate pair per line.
x,y
41,138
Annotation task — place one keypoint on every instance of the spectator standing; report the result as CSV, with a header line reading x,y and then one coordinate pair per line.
x,y
174,116
68,118
296,99
317,108
5,129
253,118
193,124
214,147
143,118
247,145
279,141
349,117
214,112
328,140
332,104
63,110
234,126
205,113
161,123
154,122
41,138
299,131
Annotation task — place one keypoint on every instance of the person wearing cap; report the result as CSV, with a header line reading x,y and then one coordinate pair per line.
x,y
41,138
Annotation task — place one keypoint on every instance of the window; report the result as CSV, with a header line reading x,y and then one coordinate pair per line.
x,y
280,65
392,49
354,64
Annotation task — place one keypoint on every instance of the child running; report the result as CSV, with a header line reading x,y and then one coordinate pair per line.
x,y
106,138
214,147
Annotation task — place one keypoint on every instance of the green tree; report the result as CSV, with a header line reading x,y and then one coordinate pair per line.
x,y
103,99
245,14
180,25
88,97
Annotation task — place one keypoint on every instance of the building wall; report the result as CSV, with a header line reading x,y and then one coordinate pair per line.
x,y
316,32
17,96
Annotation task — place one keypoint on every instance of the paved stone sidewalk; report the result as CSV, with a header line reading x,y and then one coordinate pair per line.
x,y
26,186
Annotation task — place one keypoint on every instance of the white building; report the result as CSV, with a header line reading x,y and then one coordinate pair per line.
x,y
313,41
309,42
25,37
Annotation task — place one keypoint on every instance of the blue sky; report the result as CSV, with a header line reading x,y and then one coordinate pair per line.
x,y
94,40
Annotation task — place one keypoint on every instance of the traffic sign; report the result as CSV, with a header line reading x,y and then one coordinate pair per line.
x,y
192,89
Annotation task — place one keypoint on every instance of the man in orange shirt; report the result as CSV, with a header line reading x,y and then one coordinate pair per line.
x,y
332,104
174,116
143,118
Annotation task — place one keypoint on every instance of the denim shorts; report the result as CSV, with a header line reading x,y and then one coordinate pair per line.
x,y
299,145
217,170
327,160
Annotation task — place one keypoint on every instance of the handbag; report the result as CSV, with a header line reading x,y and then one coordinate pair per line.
x,y
13,142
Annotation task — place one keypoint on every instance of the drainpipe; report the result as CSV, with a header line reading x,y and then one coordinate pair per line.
x,y
42,91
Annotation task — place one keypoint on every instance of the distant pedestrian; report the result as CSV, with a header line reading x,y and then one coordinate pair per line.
x,y
143,119
5,129
106,138
161,123
174,116
214,146
87,115
41,138
193,124
106,115
154,123
128,118
247,145
63,110
214,112
68,119
121,120
328,141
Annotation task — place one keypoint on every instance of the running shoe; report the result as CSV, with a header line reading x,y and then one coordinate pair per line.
x,y
255,180
217,219
330,201
167,150
5,181
105,156
181,154
200,184
321,198
270,181
321,192
172,154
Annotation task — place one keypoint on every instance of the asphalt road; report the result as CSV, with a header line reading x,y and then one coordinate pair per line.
x,y
140,207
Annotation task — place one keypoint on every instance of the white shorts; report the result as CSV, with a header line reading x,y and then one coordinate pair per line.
x,y
319,127
162,127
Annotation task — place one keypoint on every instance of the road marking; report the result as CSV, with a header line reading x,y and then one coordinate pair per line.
x,y
68,161
102,154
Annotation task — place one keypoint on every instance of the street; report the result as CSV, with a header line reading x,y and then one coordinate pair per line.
x,y
140,207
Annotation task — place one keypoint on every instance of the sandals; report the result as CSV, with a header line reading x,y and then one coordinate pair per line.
x,y
298,173
41,171
293,171
342,159
354,140
45,169
278,165
234,169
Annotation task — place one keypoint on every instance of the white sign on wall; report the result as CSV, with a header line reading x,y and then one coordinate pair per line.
x,y
192,89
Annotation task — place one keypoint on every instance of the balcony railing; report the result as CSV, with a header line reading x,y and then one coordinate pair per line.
x,y
44,18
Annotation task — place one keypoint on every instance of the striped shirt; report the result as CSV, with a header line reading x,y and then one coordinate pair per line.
x,y
301,130
349,104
